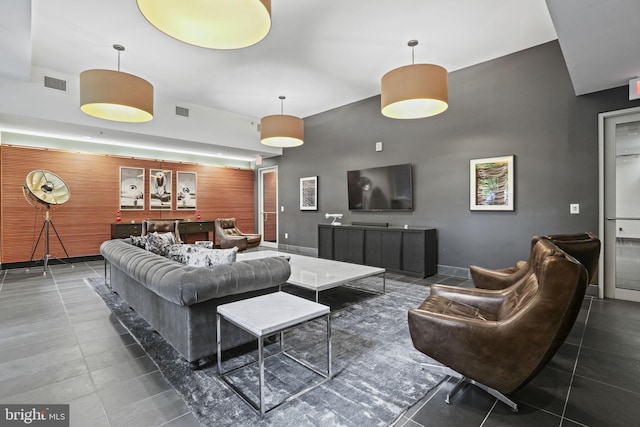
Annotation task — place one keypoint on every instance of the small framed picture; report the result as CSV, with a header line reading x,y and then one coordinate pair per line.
x,y
491,186
309,193
186,186
160,183
131,188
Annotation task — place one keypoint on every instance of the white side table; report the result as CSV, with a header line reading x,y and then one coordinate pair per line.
x,y
268,315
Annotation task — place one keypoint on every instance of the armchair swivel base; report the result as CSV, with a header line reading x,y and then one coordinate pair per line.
x,y
462,381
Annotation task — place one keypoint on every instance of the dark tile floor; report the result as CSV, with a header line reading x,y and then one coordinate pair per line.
x,y
60,344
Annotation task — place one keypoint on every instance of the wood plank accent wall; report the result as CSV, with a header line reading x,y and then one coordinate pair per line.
x,y
83,223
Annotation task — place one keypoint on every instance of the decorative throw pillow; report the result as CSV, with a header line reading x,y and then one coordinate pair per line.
x,y
205,243
197,256
159,243
139,241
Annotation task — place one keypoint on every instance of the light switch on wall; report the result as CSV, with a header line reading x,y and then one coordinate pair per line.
x,y
281,208
574,208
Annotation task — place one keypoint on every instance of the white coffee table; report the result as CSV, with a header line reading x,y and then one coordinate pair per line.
x,y
318,274
268,315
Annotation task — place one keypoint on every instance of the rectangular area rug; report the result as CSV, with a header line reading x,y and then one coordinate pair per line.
x,y
378,374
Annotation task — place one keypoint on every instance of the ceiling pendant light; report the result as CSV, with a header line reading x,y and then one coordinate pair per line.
x,y
214,24
280,130
414,91
114,95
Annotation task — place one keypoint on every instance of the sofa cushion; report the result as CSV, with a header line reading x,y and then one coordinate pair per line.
x,y
198,256
159,243
139,241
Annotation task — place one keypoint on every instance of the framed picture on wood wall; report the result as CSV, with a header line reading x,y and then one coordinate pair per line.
x,y
309,193
131,188
491,186
160,185
186,187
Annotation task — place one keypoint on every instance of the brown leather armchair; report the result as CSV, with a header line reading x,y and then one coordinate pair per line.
x,y
585,247
485,278
162,226
229,235
500,339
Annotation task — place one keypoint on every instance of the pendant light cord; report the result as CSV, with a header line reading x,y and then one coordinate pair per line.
x,y
413,44
119,48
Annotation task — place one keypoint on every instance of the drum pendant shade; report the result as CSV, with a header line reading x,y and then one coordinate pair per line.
x,y
414,91
117,96
282,131
214,24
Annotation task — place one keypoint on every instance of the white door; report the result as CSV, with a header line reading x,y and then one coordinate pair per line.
x,y
268,206
620,204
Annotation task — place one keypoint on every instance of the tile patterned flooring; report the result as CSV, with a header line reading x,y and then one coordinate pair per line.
x,y
60,344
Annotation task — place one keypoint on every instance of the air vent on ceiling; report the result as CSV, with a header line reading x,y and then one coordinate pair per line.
x,y
181,111
54,83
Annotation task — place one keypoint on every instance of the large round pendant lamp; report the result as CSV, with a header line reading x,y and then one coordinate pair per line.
x,y
114,95
414,91
214,24
281,130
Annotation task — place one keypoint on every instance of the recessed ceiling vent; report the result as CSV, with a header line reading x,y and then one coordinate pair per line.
x,y
54,83
181,111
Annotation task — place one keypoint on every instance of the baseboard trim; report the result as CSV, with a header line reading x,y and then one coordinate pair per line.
x,y
52,261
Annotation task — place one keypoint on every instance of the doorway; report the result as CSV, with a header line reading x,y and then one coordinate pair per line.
x,y
268,206
619,152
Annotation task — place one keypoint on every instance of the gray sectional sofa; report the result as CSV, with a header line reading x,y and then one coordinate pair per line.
x,y
180,301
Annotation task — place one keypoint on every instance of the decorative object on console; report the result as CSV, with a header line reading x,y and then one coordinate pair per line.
x,y
160,184
131,188
230,235
335,218
491,184
186,187
114,95
309,193
281,130
46,188
414,91
213,24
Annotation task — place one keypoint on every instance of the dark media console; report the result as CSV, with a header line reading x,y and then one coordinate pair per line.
x,y
410,251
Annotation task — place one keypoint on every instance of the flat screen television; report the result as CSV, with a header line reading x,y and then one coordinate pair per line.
x,y
384,188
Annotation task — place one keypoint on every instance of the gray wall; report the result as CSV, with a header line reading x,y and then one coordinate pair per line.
x,y
522,104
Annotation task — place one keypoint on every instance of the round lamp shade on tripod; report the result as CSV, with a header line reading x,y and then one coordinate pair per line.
x,y
47,187
117,96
